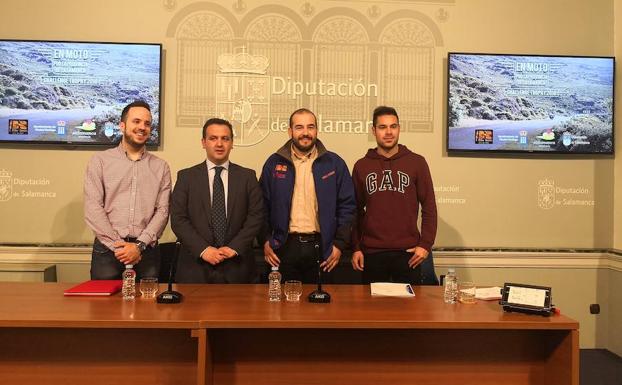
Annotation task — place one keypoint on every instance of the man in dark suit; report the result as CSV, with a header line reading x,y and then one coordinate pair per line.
x,y
216,212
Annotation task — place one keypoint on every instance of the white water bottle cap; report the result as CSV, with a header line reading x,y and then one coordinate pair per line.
x,y
129,266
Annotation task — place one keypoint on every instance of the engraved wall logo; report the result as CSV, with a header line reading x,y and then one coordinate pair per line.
x,y
449,195
243,95
546,194
14,187
550,195
6,186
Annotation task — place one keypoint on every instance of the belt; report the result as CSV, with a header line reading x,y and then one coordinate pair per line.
x,y
305,237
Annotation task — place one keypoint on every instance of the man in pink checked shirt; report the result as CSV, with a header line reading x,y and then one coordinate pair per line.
x,y
126,199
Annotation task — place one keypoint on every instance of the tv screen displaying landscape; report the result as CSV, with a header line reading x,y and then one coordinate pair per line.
x,y
73,92
528,103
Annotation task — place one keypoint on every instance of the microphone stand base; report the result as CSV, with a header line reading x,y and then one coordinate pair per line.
x,y
170,296
319,296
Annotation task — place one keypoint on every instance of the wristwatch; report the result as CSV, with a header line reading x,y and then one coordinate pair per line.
x,y
142,246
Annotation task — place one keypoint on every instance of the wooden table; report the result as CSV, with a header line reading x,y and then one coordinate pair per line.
x,y
231,334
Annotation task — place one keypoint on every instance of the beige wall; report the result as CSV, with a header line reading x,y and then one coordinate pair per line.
x,y
486,201
502,189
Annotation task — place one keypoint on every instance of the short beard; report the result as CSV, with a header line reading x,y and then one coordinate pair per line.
x,y
304,149
130,142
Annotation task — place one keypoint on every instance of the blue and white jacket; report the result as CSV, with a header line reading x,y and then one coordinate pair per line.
x,y
333,188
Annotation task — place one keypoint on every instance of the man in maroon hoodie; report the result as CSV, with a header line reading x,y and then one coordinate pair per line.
x,y
391,183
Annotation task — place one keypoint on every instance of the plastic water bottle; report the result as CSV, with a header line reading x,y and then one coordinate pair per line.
x,y
129,283
274,284
450,294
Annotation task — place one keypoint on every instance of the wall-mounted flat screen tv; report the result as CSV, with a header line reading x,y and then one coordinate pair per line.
x,y
529,103
59,92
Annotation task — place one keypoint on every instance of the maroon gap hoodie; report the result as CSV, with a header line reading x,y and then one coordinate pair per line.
x,y
388,194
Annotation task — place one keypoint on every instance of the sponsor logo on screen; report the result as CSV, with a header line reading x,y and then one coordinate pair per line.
x,y
484,136
18,127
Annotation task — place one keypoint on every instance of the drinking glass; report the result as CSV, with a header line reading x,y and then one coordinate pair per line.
x,y
293,290
467,292
148,287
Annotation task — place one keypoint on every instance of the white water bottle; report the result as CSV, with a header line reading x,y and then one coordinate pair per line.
x,y
129,283
274,284
450,294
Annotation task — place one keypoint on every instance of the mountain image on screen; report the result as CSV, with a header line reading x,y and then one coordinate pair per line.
x,y
73,92
530,103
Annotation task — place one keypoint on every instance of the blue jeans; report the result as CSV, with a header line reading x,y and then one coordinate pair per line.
x,y
104,265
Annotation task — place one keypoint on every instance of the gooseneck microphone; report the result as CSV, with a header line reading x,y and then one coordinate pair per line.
x,y
170,295
319,295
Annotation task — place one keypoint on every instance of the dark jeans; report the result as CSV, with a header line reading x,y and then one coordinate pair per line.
x,y
104,265
299,260
428,275
390,266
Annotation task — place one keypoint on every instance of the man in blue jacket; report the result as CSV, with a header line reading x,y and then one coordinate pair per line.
x,y
309,201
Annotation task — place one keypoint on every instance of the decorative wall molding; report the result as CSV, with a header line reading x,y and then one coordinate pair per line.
x,y
584,259
480,258
46,254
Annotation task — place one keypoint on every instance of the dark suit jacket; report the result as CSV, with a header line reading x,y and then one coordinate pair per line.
x,y
191,221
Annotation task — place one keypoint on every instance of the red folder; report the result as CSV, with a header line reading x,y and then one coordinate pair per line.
x,y
96,287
